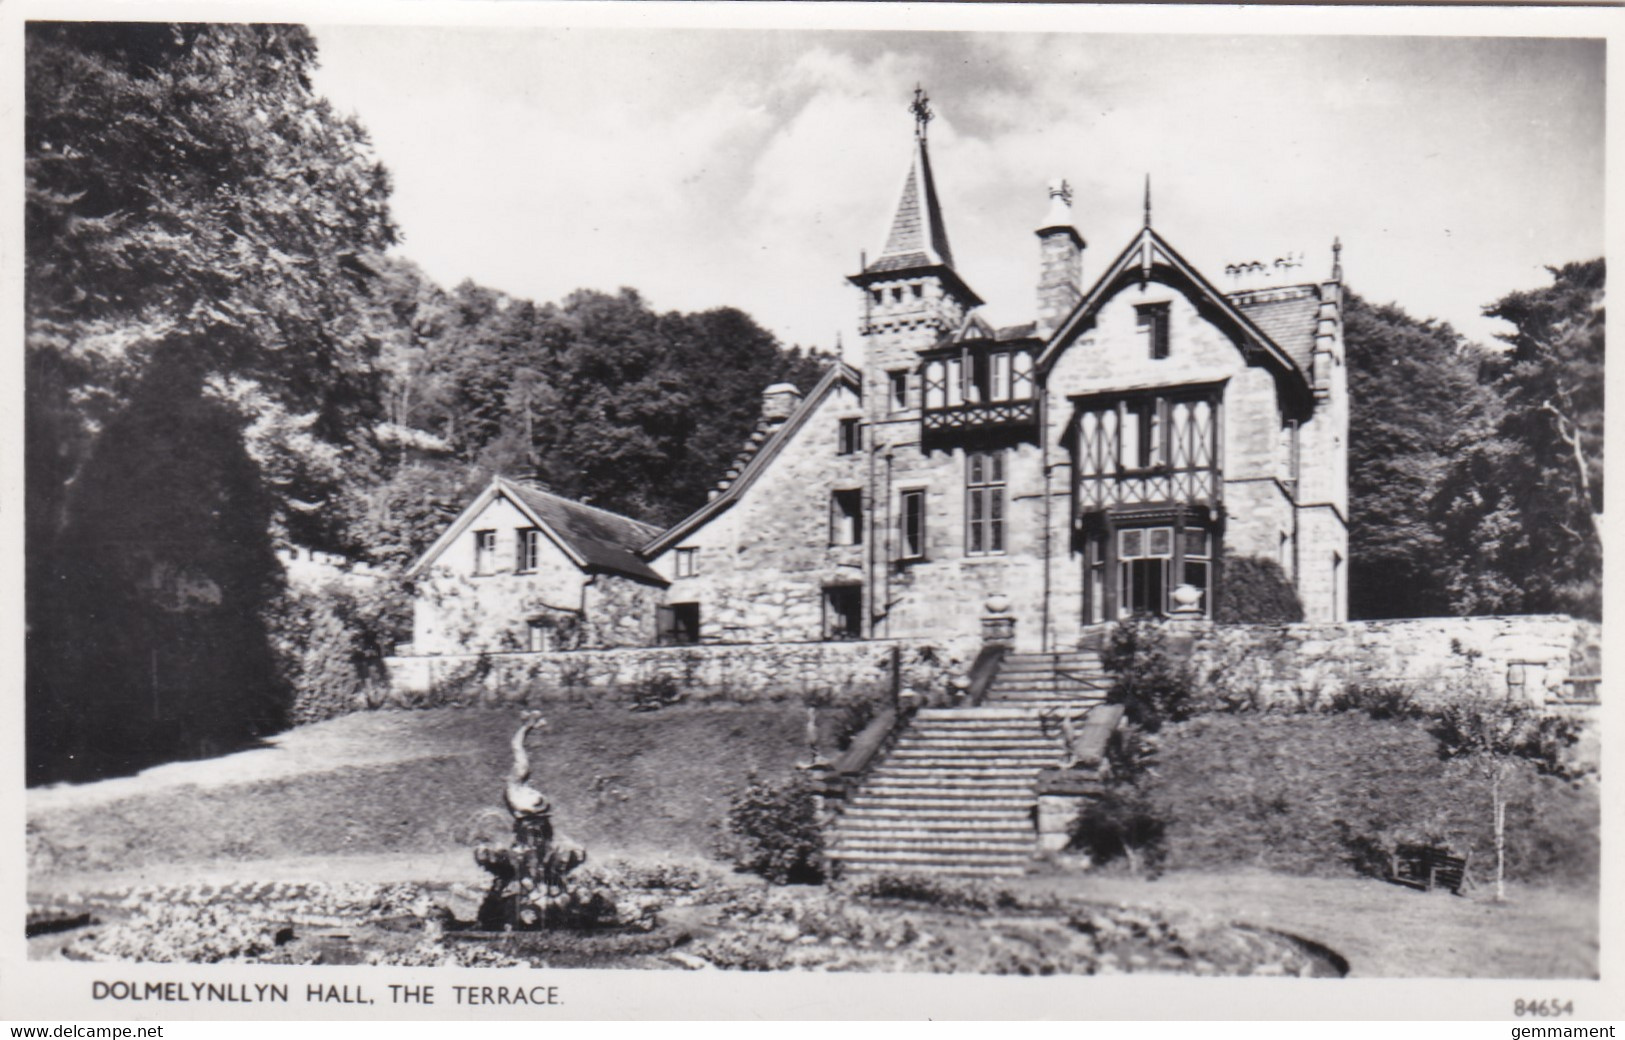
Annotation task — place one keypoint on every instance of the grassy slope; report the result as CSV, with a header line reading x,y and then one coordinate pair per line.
x,y
1289,792
620,783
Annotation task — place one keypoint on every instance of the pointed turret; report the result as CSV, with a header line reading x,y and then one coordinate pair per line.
x,y
912,283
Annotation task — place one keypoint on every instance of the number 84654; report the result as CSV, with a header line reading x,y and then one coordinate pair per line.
x,y
1542,1008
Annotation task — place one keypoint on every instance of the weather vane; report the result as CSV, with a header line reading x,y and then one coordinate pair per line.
x,y
921,109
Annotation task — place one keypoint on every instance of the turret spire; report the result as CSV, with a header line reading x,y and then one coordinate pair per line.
x,y
919,237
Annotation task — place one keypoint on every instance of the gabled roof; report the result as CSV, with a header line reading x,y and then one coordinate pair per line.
x,y
838,373
594,539
1149,256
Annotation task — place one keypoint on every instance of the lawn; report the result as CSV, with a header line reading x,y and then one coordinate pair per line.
x,y
392,797
382,783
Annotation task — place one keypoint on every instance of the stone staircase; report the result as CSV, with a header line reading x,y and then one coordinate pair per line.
x,y
955,795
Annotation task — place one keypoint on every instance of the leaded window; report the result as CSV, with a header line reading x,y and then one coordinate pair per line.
x,y
984,502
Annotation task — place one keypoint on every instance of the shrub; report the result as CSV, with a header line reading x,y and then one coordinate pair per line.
x,y
1152,687
1126,821
1256,591
776,832
331,640
945,893
1378,700
850,719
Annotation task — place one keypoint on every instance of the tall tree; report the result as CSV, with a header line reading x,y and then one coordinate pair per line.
x,y
1523,506
197,222
1415,399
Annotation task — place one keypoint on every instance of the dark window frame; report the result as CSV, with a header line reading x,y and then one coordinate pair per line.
x,y
1154,318
679,624
849,437
843,612
911,529
846,516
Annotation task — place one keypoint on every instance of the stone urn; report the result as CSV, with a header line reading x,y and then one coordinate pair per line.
x,y
1187,599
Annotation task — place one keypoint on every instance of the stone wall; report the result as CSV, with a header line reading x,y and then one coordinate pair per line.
x,y
1524,656
823,673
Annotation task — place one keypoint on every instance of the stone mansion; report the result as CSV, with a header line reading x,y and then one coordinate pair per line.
x,y
1110,458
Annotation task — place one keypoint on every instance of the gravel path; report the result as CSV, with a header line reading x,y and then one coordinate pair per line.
x,y
365,738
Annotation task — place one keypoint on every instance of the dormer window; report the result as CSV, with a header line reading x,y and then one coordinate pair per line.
x,y
1152,320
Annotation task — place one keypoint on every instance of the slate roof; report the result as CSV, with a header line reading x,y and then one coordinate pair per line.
x,y
918,238
606,541
1288,315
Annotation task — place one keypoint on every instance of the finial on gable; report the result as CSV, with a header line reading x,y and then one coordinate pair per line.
x,y
1337,258
922,111
1148,200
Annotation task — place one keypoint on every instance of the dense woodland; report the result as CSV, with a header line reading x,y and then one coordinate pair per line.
x,y
224,353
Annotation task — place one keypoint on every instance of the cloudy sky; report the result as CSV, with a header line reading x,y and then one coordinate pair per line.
x,y
749,167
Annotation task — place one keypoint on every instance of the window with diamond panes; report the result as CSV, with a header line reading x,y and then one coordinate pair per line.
x,y
984,502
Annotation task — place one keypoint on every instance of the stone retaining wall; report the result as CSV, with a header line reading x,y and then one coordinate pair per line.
x,y
1527,656
824,672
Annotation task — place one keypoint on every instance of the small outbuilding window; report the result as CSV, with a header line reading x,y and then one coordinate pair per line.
x,y
530,550
679,623
485,552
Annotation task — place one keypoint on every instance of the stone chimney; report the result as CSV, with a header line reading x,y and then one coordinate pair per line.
x,y
778,401
1060,252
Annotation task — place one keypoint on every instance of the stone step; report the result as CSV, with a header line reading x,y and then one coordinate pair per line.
x,y
987,713
917,802
948,765
871,869
955,850
967,794
970,759
979,813
898,823
1000,857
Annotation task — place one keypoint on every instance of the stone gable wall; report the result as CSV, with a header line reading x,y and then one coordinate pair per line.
x,y
762,564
